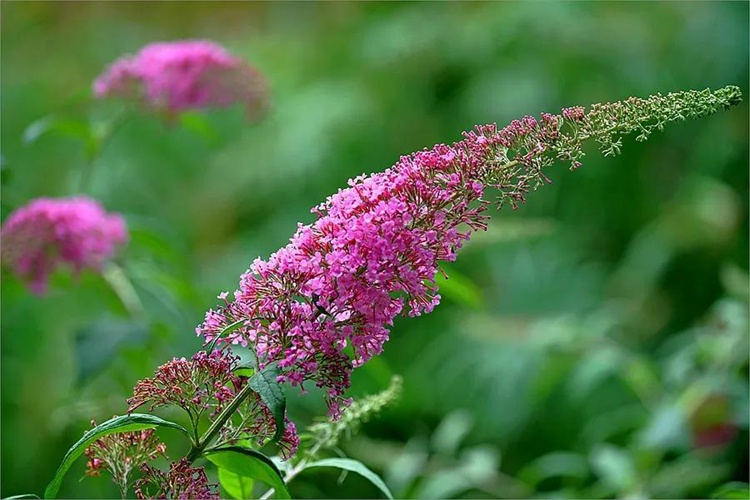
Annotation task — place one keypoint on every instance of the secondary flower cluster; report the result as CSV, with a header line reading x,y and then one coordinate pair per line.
x,y
180,482
121,453
203,385
375,248
183,75
37,237
204,382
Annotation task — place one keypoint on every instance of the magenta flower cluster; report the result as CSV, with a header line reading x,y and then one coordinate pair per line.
x,y
38,237
190,74
372,254
324,303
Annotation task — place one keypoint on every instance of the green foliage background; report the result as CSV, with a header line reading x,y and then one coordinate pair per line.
x,y
588,345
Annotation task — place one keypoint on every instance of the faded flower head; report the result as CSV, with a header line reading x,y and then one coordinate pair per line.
x,y
189,74
203,382
121,453
181,482
375,248
37,237
204,385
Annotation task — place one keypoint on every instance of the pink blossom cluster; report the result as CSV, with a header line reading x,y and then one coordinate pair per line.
x,y
190,74
206,383
181,482
371,255
37,237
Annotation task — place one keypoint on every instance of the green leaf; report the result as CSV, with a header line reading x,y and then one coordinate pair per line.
x,y
353,466
244,372
125,423
235,485
270,391
66,127
556,464
249,463
18,497
226,331
732,490
614,466
451,432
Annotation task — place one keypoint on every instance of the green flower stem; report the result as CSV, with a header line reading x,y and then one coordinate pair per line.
x,y
124,289
98,138
217,424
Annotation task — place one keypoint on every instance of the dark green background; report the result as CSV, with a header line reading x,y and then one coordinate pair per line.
x,y
586,344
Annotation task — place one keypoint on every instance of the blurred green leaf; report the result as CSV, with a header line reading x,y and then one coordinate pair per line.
x,y
98,344
666,429
460,288
557,464
125,423
735,490
200,125
452,430
614,466
687,477
353,466
66,127
249,463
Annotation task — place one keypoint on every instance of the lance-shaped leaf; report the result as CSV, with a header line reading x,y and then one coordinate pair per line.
x,y
246,462
226,331
353,466
125,423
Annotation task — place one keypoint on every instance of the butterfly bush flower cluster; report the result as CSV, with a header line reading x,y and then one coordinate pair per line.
x,y
324,303
40,236
181,482
177,76
203,385
120,454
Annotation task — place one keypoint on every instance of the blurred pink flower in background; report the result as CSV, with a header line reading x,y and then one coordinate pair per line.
x,y
190,74
39,236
